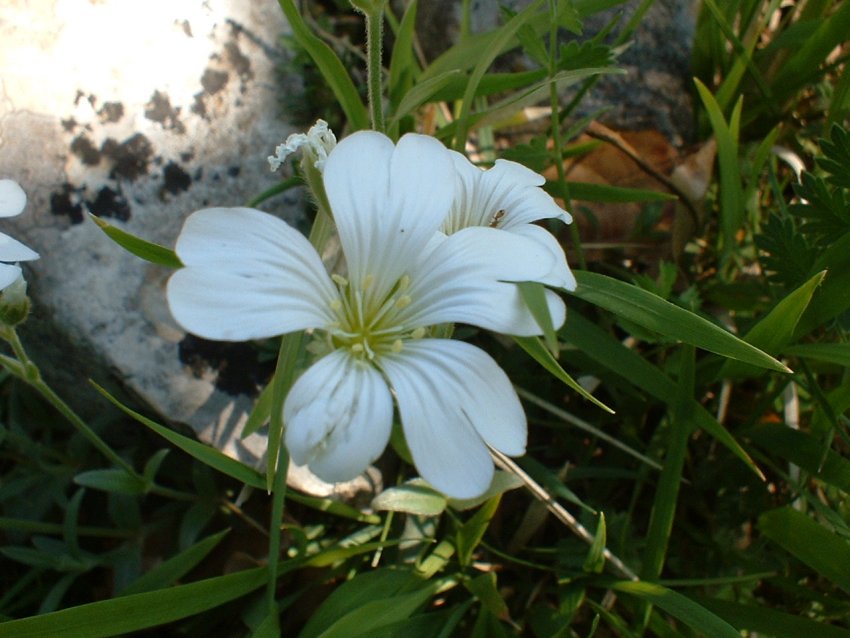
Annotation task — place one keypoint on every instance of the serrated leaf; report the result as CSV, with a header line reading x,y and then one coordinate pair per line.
x,y
148,251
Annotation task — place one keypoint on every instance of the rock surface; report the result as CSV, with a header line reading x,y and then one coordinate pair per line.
x,y
140,113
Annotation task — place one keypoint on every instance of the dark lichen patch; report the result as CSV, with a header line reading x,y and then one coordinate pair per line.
x,y
213,81
238,60
233,171
130,158
175,180
110,203
111,112
69,125
66,201
238,368
159,110
84,148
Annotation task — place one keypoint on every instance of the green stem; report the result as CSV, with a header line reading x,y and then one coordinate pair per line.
x,y
278,503
374,37
29,373
555,104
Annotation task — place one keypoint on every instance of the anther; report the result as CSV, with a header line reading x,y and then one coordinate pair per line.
x,y
418,333
339,280
397,346
368,281
403,302
336,304
404,283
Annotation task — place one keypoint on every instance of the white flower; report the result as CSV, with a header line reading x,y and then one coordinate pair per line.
x,y
317,143
508,196
12,203
250,275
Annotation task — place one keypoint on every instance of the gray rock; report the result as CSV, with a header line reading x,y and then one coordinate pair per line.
x,y
141,113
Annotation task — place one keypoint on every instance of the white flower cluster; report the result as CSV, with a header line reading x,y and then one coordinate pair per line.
x,y
428,239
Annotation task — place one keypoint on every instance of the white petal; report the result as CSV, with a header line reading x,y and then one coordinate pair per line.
x,y
338,417
13,199
505,196
467,278
387,201
9,273
452,398
560,276
248,275
13,250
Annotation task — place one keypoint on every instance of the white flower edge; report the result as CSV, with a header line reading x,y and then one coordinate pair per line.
x,y
13,200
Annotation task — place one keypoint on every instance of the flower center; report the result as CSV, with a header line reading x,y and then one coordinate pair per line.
x,y
367,324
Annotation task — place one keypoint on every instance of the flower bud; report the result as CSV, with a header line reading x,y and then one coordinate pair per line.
x,y
14,303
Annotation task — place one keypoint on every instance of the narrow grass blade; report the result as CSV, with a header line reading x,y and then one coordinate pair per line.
x,y
659,315
535,348
173,569
686,610
330,66
142,248
204,453
822,550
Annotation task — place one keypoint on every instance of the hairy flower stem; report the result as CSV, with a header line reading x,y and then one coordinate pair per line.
x,y
26,370
374,43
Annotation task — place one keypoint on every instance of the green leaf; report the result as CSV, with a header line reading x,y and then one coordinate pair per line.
x,y
111,480
776,330
813,544
148,251
502,482
838,353
335,508
127,614
380,585
805,451
585,191
204,453
636,370
534,347
168,572
594,563
153,465
403,64
731,192
483,59
770,622
534,295
484,588
421,93
260,413
686,610
661,316
332,70
414,497
469,534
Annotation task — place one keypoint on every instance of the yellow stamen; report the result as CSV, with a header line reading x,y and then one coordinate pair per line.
x,y
403,302
397,346
418,333
339,280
